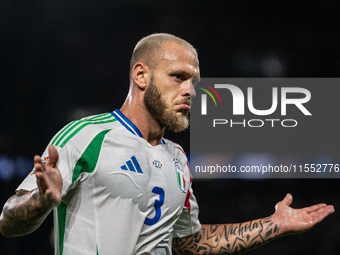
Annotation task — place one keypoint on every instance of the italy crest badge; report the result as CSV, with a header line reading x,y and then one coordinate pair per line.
x,y
180,175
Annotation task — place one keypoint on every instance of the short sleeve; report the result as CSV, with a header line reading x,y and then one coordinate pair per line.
x,y
79,157
66,163
70,152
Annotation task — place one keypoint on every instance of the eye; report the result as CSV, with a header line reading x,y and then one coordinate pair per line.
x,y
178,76
195,81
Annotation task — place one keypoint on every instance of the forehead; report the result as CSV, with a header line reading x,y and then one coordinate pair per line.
x,y
173,55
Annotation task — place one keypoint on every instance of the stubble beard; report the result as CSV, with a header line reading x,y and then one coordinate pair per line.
x,y
156,106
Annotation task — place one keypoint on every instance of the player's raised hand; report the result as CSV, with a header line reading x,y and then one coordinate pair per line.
x,y
49,178
293,221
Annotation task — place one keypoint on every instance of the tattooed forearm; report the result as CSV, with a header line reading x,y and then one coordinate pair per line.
x,y
22,214
228,238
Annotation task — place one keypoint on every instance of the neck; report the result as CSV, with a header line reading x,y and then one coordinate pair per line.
x,y
152,132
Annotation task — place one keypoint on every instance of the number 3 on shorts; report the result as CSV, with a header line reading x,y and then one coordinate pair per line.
x,y
157,205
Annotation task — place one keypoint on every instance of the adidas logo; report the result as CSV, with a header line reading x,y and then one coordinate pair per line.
x,y
132,165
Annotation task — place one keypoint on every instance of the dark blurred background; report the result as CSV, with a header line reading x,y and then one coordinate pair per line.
x,y
63,60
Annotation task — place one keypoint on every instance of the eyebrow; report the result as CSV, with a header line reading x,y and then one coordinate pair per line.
x,y
187,74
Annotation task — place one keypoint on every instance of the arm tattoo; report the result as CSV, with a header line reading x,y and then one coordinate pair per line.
x,y
228,238
22,214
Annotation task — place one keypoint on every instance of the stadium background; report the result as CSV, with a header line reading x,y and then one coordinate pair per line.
x,y
61,60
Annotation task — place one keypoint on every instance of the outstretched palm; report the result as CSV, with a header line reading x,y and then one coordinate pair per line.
x,y
295,221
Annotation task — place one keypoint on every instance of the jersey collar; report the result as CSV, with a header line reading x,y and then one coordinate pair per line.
x,y
128,124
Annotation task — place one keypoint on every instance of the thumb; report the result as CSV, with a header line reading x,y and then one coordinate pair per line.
x,y
53,156
288,199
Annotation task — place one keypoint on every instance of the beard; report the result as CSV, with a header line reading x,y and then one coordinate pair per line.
x,y
156,106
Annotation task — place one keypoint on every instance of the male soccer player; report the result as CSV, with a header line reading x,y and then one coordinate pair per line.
x,y
118,187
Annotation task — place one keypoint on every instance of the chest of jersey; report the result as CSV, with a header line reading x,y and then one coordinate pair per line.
x,y
154,179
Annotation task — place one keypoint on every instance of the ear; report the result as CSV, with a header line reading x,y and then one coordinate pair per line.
x,y
141,75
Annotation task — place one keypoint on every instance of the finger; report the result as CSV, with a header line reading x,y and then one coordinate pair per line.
x,y
39,167
314,208
41,182
48,193
38,164
288,199
322,213
39,173
53,156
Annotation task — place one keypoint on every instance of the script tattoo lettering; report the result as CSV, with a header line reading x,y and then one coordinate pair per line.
x,y
227,239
